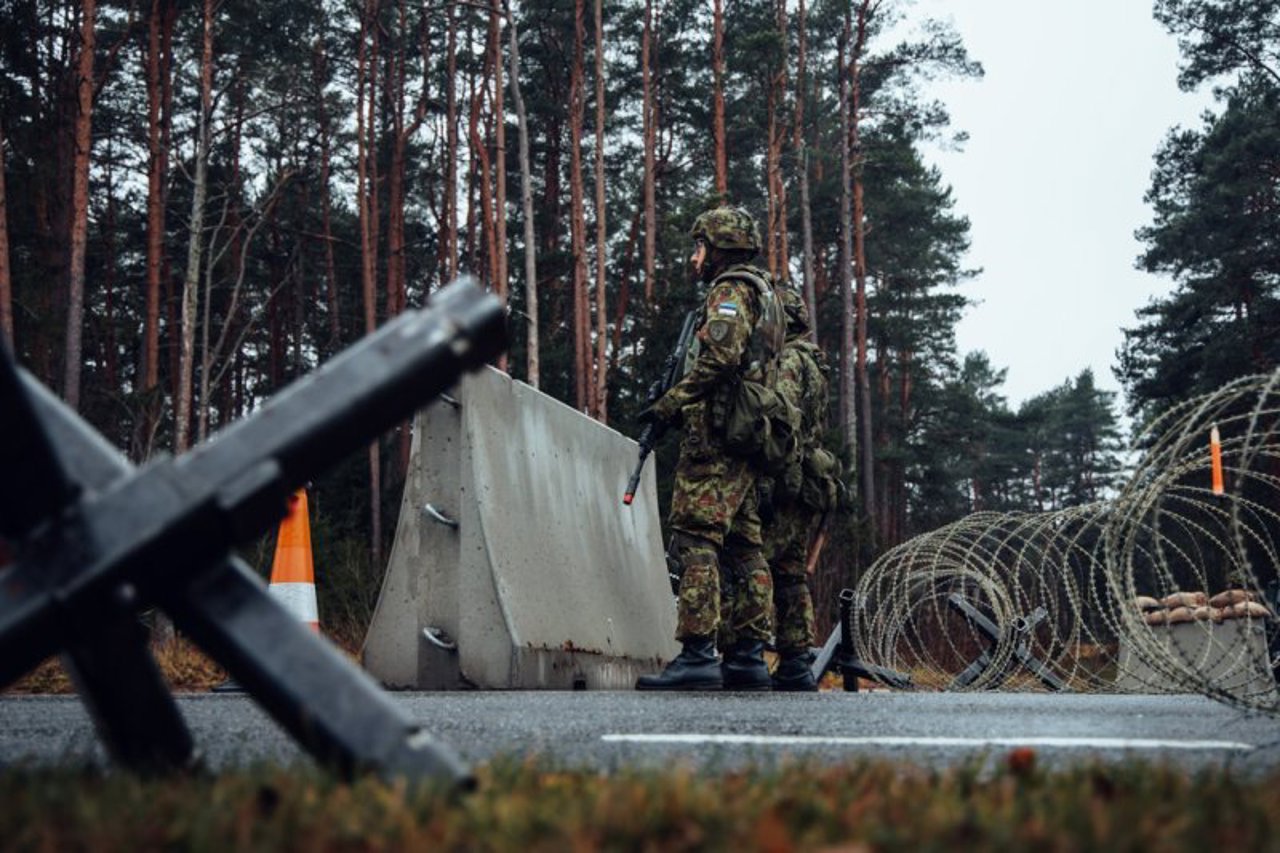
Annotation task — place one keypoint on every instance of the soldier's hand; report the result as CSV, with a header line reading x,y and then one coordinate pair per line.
x,y
648,417
660,413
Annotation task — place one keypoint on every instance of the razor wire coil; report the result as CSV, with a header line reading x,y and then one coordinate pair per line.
x,y
1162,588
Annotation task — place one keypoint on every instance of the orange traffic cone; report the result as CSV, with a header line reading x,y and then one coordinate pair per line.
x,y
293,578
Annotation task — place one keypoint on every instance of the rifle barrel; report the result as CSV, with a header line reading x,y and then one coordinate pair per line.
x,y
672,369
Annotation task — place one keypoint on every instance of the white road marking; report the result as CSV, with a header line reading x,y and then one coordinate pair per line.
x,y
1046,742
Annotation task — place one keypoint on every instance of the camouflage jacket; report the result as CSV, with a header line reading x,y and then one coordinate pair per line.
x,y
728,318
802,379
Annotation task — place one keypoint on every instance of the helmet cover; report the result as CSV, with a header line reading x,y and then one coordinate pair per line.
x,y
727,228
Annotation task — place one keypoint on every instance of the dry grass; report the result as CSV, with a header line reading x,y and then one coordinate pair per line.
x,y
185,668
525,806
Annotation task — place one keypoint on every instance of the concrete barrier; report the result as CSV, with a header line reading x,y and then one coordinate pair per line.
x,y
1228,656
515,563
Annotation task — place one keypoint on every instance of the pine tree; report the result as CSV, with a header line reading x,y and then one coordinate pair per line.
x,y
1216,214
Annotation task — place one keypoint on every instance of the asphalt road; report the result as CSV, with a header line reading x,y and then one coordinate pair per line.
x,y
615,730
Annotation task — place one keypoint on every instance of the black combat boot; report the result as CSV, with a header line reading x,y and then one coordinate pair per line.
x,y
744,667
695,668
795,673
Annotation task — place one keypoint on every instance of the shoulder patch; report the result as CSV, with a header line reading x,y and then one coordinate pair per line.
x,y
727,309
718,330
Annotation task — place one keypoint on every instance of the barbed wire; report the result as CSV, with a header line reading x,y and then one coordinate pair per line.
x,y
1168,587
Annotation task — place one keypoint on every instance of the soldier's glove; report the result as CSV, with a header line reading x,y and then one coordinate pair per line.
x,y
648,417
661,413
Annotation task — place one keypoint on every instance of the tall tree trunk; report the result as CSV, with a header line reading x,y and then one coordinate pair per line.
x,y
395,85
319,67
366,87
171,299
526,208
159,74
484,170
783,261
602,337
650,133
802,160
471,249
860,267
159,40
374,128
772,166
80,202
449,207
234,219
110,359
583,387
551,205
205,319
848,421
624,287
195,248
500,283
775,187
717,100
397,283
6,278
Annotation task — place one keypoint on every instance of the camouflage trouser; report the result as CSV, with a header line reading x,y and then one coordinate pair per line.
x,y
715,514
786,546
746,608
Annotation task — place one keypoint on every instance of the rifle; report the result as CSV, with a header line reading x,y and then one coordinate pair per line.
x,y
672,370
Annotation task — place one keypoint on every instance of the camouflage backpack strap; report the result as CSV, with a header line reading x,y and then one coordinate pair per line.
x,y
769,333
695,346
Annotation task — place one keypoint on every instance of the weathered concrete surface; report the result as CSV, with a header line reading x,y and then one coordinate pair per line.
x,y
1229,656
548,581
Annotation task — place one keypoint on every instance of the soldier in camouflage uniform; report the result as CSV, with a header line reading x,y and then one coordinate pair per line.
x,y
802,378
714,517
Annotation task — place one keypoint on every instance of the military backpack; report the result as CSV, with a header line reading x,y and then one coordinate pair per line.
x,y
754,420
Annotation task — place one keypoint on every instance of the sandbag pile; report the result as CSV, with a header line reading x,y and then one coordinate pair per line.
x,y
1180,607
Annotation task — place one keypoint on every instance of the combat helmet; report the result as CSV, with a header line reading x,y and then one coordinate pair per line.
x,y
727,228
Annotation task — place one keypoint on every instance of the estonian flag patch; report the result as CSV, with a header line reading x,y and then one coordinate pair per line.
x,y
727,309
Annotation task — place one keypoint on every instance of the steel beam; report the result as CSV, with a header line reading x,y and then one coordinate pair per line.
x,y
1018,638
100,541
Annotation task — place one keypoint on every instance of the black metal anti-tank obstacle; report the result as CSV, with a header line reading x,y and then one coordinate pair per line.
x,y
97,541
1017,640
837,653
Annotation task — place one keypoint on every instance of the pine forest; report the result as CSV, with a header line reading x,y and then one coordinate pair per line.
x,y
202,200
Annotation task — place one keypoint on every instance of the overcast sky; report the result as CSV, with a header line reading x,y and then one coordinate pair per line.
x,y
1076,99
